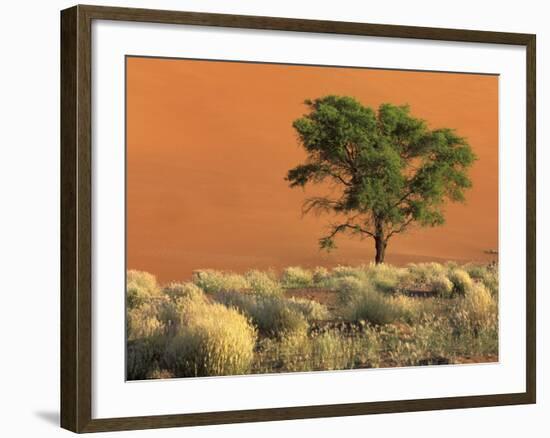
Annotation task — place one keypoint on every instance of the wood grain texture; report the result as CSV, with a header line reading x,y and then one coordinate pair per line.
x,y
69,326
76,224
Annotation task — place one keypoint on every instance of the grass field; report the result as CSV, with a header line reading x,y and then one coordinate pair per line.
x,y
223,323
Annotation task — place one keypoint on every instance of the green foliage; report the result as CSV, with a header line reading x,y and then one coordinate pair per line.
x,y
391,169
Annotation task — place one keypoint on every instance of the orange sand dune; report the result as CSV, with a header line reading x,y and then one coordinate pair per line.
x,y
209,144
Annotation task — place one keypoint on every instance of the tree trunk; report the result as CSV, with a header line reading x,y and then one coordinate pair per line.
x,y
380,249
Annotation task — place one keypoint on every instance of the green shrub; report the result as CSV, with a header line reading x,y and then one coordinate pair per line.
x,y
140,288
296,276
212,340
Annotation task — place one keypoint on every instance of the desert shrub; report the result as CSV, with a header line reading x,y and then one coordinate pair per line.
x,y
441,285
263,283
182,290
331,350
347,287
140,287
273,316
488,275
372,306
385,278
430,341
348,271
462,283
320,275
420,273
311,310
212,340
477,310
475,271
210,280
296,276
142,356
411,310
143,321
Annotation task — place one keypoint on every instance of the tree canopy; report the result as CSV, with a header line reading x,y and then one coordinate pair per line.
x,y
390,168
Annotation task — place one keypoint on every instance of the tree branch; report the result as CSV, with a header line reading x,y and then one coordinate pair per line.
x,y
342,227
401,228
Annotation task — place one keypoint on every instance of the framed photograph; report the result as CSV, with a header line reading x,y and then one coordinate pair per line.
x,y
272,218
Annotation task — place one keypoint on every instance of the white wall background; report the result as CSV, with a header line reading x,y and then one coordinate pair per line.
x,y
29,215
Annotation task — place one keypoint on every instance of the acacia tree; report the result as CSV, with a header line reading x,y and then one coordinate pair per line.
x,y
388,169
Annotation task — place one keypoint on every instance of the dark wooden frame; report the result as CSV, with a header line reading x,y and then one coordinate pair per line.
x,y
76,308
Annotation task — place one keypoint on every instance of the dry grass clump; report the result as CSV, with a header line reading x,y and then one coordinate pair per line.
x,y
462,282
347,287
273,316
140,287
476,311
176,290
330,350
311,310
386,278
143,321
223,323
320,275
488,275
441,285
372,306
263,283
144,355
212,340
348,271
210,280
295,276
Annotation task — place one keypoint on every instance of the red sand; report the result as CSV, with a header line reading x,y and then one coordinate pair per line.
x,y
209,144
